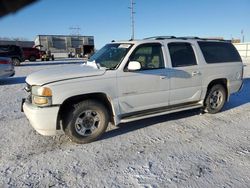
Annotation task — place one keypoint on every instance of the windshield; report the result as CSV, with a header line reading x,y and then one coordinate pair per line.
x,y
110,55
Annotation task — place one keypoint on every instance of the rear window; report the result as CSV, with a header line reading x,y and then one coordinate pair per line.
x,y
219,52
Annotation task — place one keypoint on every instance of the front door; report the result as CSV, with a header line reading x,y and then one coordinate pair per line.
x,y
147,88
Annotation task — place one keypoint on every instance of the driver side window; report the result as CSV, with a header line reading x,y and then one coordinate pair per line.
x,y
149,55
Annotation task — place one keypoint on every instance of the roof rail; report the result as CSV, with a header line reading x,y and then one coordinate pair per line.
x,y
185,38
218,39
160,37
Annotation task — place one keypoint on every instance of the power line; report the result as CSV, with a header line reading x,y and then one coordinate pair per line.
x,y
75,30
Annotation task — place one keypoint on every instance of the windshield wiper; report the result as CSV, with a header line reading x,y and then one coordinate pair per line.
x,y
112,68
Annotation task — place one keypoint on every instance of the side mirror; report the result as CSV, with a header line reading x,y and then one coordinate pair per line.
x,y
134,65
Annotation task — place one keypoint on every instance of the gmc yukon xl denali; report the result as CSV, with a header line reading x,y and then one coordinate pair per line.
x,y
130,80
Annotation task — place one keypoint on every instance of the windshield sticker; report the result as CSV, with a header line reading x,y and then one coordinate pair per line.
x,y
124,45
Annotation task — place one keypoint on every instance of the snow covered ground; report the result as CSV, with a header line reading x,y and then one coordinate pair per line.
x,y
178,150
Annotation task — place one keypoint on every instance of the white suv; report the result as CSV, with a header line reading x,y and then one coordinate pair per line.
x,y
130,80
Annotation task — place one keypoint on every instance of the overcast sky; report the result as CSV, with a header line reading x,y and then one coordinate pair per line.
x,y
110,19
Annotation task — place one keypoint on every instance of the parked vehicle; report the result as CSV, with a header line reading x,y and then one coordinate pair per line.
x,y
130,80
31,54
12,51
6,67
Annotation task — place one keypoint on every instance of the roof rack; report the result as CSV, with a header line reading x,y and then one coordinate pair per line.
x,y
160,37
184,38
218,39
198,38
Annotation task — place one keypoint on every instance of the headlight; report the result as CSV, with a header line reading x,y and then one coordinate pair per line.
x,y
41,96
41,91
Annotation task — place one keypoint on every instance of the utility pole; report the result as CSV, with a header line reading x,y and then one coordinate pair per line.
x,y
243,37
132,19
76,32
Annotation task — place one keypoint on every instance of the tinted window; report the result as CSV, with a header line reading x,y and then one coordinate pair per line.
x,y
149,55
182,54
219,52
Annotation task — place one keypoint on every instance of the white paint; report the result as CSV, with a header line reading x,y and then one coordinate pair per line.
x,y
178,150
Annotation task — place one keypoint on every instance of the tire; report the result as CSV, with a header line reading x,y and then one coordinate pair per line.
x,y
215,99
32,58
16,61
86,122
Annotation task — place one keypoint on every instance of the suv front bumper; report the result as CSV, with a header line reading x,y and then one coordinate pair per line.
x,y
43,120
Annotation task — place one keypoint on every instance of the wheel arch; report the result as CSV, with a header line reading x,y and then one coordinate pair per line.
x,y
67,105
221,81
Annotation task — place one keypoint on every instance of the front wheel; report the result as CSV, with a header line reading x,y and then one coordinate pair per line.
x,y
86,122
215,99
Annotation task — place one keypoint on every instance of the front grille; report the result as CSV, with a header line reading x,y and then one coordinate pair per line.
x,y
29,99
28,90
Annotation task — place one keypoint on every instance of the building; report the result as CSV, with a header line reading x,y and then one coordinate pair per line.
x,y
243,49
65,44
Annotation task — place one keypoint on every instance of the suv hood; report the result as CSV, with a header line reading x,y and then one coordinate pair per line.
x,y
63,73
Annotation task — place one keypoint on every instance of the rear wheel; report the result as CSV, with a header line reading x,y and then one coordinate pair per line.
x,y
16,61
215,99
86,122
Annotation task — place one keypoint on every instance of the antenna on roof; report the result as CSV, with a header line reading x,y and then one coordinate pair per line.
x,y
132,19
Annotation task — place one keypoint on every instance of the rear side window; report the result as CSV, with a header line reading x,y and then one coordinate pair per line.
x,y
182,54
219,52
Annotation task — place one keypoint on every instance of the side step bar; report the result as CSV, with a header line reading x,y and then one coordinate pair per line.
x,y
159,112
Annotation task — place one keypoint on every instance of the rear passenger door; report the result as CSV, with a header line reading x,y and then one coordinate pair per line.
x,y
185,77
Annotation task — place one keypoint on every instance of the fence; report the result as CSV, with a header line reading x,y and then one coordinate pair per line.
x,y
243,49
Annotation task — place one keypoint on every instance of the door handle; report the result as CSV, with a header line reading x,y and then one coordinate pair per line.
x,y
196,73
